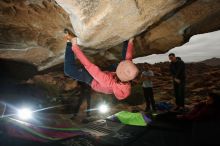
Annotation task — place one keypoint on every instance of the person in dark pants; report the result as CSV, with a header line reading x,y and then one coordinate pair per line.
x,y
177,69
147,86
85,93
117,83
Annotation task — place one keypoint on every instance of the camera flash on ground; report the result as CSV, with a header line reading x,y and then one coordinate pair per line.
x,y
25,114
103,108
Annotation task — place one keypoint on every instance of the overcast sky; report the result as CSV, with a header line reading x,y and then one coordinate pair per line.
x,y
199,48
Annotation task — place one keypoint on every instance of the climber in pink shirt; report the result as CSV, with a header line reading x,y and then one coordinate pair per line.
x,y
117,83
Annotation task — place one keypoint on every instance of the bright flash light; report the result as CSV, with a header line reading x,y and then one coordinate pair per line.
x,y
103,108
25,114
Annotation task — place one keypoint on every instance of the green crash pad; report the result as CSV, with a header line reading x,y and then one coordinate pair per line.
x,y
129,118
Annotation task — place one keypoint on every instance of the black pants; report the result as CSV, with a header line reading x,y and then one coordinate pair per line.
x,y
149,97
179,92
85,93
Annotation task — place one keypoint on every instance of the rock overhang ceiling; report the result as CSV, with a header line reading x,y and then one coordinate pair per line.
x,y
32,30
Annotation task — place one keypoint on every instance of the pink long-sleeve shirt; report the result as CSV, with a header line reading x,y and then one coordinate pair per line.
x,y
103,81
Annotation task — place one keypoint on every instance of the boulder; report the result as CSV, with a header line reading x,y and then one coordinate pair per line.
x,y
197,17
106,23
32,30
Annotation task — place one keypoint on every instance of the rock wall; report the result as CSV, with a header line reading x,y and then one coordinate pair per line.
x,y
198,17
32,30
106,23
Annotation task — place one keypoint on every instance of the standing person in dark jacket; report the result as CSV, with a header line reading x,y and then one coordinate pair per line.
x,y
177,69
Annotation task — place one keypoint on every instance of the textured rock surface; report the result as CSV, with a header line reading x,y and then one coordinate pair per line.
x,y
105,23
32,31
198,17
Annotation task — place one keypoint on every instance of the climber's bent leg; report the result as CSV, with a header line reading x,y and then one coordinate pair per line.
x,y
71,69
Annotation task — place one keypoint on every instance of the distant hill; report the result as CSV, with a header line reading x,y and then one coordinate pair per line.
x,y
212,62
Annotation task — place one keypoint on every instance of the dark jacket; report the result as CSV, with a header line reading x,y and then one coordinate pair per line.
x,y
177,69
